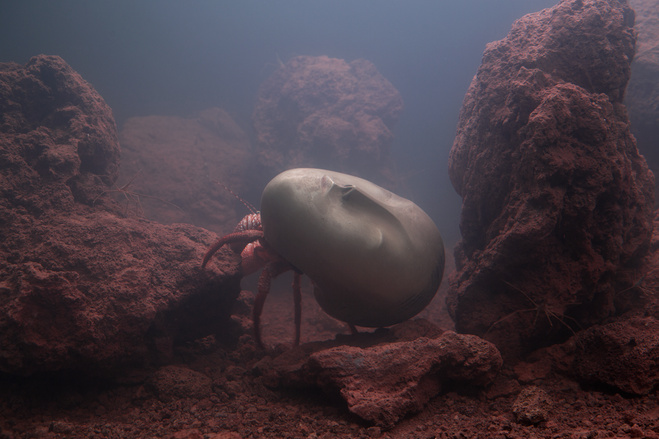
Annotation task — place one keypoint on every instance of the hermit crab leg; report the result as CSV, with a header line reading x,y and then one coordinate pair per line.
x,y
245,236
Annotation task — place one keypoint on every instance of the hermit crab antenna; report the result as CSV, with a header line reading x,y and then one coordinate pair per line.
x,y
247,204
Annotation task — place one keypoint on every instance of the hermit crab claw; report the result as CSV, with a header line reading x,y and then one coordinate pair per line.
x,y
376,259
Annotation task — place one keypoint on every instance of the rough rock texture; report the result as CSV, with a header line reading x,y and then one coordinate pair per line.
x,y
642,298
623,354
242,406
82,288
642,97
177,382
556,198
56,129
385,382
327,113
532,406
179,166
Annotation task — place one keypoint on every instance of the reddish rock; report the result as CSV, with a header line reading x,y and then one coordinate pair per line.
x,y
643,91
54,128
179,166
385,382
532,406
623,354
327,113
80,287
557,201
642,297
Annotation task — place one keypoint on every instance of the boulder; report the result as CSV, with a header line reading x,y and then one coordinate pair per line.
x,y
532,406
622,354
642,297
181,169
557,200
327,113
55,129
81,287
383,383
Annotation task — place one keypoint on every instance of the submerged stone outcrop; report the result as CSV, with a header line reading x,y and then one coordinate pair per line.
x,y
327,113
623,355
557,201
385,377
83,288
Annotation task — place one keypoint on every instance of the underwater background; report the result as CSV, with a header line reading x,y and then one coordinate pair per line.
x,y
123,313
178,58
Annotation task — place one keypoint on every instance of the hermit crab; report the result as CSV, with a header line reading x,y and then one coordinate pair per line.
x,y
375,259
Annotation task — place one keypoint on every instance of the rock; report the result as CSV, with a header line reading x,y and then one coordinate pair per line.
x,y
532,371
187,434
177,382
642,97
385,382
94,291
81,288
326,113
557,201
622,354
54,127
642,297
532,406
180,165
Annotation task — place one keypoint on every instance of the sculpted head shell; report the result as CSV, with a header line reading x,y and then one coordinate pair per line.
x,y
375,258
